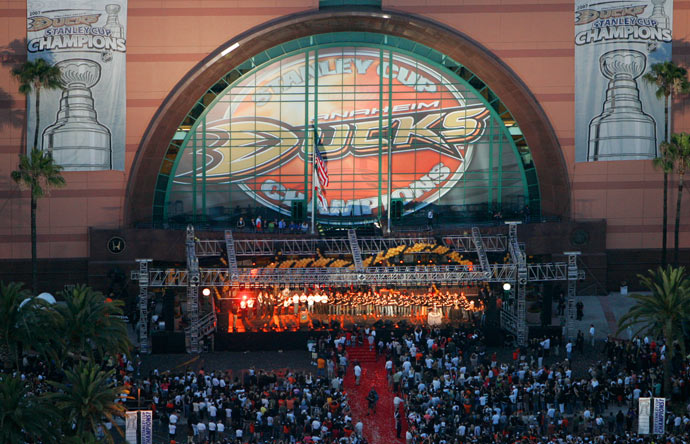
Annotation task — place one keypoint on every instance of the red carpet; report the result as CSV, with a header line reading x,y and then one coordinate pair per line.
x,y
378,428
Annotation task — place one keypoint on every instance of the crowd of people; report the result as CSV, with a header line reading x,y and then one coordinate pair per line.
x,y
455,391
448,389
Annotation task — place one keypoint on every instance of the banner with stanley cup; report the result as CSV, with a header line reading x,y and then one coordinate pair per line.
x,y
617,114
83,124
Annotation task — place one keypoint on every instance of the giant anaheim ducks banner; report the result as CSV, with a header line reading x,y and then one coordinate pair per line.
x,y
617,114
388,124
82,124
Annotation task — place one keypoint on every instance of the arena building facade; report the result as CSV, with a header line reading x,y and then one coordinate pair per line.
x,y
224,100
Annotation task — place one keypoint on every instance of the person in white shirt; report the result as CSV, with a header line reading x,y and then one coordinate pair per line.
x,y
358,373
592,331
172,428
212,410
212,431
396,402
201,428
220,427
173,418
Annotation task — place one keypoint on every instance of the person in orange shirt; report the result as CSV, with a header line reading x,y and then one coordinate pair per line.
x,y
320,366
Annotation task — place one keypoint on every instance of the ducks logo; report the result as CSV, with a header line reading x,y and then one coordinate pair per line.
x,y
255,136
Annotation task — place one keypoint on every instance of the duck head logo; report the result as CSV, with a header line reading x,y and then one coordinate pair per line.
x,y
365,106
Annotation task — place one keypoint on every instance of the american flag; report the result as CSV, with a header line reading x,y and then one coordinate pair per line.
x,y
320,170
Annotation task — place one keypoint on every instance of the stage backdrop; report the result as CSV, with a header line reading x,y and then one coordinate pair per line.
x,y
617,115
83,125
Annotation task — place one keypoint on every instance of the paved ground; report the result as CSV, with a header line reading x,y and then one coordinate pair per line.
x,y
235,361
604,312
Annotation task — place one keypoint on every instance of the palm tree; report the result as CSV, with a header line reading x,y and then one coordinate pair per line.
x,y
662,312
24,416
679,154
18,322
86,399
34,76
89,324
669,79
38,172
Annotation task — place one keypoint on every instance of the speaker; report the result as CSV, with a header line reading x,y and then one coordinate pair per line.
x,y
546,308
297,210
396,208
168,314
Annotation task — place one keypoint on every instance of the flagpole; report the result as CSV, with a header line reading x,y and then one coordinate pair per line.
x,y
313,188
316,129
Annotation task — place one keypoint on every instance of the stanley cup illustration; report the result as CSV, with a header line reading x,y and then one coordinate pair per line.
x,y
622,131
77,140
659,15
113,21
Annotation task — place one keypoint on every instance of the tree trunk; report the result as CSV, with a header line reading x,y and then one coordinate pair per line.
x,y
38,118
676,232
5,356
668,337
34,259
664,235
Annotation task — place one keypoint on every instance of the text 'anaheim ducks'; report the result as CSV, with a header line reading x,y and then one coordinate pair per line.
x,y
260,145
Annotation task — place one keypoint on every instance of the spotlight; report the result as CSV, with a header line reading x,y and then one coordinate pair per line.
x,y
507,286
206,292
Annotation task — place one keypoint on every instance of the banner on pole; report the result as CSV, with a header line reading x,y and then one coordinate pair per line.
x,y
645,410
617,113
131,427
146,427
82,125
659,421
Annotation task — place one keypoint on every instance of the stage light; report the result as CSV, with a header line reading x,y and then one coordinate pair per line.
x,y
244,297
206,292
507,286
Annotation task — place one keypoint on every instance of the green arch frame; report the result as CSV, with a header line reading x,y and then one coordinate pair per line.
x,y
443,63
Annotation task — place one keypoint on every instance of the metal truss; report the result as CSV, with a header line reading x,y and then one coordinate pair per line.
x,y
492,243
192,332
573,275
205,248
333,246
232,256
517,272
356,252
481,252
143,278
220,277
518,258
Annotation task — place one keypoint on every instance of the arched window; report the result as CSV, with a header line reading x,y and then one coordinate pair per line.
x,y
398,124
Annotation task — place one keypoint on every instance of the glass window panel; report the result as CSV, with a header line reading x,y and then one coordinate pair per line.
x,y
252,151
